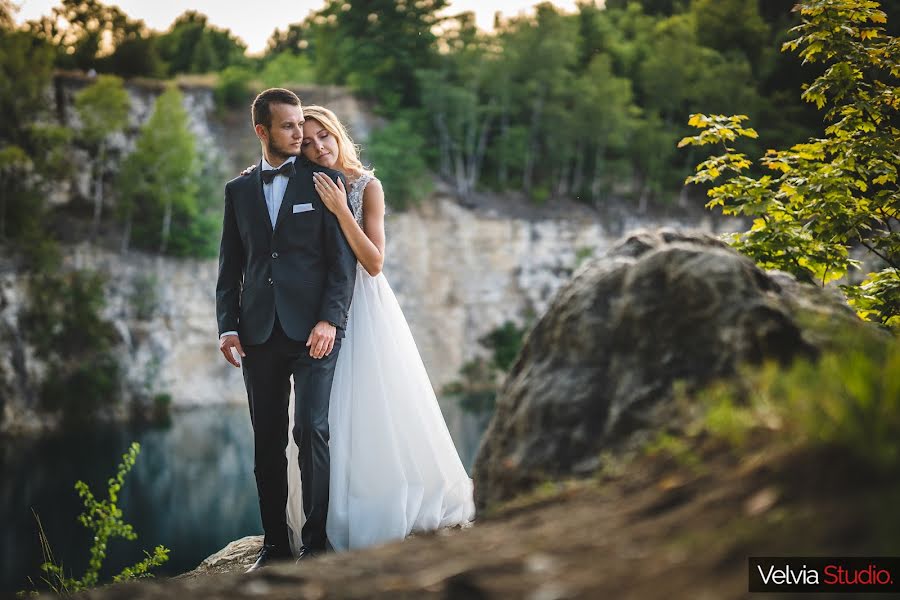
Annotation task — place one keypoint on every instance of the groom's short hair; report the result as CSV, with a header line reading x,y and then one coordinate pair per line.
x,y
261,111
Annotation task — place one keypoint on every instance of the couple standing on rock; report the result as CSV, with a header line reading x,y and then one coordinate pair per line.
x,y
300,294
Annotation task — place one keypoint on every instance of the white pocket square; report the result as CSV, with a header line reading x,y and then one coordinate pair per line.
x,y
299,208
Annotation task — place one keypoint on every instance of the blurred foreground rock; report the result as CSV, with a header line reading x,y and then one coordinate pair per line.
x,y
599,366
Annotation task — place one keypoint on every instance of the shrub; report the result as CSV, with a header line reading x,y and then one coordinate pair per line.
x,y
233,87
63,321
104,519
849,399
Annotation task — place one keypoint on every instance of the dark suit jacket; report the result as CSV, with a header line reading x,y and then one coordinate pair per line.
x,y
303,269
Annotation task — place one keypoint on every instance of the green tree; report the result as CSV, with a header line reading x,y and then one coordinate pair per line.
x,y
287,70
103,109
294,39
192,45
678,76
32,148
397,151
731,26
665,8
607,116
456,96
540,53
83,31
136,55
158,179
233,87
829,194
377,46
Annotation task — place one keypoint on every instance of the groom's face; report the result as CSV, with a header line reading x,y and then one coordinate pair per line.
x,y
283,136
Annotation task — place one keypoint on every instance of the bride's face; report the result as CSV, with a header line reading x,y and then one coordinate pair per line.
x,y
318,144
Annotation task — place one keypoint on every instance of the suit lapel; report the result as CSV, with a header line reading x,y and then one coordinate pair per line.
x,y
260,196
286,202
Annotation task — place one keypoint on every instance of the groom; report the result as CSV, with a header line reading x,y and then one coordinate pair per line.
x,y
286,276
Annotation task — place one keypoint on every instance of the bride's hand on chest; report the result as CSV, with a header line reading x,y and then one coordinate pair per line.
x,y
333,195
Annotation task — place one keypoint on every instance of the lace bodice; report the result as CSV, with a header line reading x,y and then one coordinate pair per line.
x,y
355,195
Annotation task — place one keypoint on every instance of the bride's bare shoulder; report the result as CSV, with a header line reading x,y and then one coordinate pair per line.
x,y
373,189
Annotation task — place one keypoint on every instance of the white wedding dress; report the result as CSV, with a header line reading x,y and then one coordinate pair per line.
x,y
394,468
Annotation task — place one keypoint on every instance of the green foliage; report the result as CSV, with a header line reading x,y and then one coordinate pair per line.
x,y
233,87
161,408
78,30
580,105
653,7
376,46
88,34
848,399
32,149
136,56
103,108
730,26
878,297
104,519
160,182
63,321
678,448
144,298
576,105
398,151
64,314
583,254
504,342
287,70
80,389
830,194
192,45
476,387
726,421
294,39
480,378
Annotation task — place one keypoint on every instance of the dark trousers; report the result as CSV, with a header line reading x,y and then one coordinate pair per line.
x,y
267,369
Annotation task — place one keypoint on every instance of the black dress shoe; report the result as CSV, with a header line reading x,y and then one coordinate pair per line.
x,y
306,553
267,555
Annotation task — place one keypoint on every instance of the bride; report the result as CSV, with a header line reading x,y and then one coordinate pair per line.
x,y
394,468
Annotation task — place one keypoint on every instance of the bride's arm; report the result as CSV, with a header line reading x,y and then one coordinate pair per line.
x,y
367,242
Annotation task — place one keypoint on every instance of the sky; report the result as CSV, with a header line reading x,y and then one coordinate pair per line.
x,y
254,22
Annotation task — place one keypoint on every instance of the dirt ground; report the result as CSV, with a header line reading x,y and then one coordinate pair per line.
x,y
660,527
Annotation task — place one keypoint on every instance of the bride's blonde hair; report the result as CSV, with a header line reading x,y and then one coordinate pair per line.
x,y
348,152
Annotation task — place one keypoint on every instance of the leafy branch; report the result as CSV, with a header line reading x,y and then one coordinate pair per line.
x,y
829,195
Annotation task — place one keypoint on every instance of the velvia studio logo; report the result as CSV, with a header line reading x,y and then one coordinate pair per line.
x,y
824,574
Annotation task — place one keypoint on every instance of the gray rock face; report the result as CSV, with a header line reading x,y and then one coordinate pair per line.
x,y
660,306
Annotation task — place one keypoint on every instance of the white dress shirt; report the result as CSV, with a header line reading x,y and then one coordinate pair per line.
x,y
274,193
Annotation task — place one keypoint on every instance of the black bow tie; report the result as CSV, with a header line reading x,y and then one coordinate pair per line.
x,y
268,175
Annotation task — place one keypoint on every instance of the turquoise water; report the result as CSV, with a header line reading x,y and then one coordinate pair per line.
x,y
191,490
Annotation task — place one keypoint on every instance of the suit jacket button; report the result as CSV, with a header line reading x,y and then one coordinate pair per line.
x,y
271,282
274,255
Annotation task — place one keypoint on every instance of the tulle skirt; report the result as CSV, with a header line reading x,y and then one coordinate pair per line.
x,y
394,468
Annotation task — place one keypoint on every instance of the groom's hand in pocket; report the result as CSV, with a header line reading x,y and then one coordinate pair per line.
x,y
226,343
321,339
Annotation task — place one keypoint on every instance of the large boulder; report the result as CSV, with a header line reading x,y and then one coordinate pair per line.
x,y
599,366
